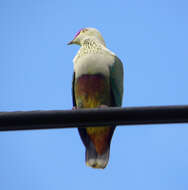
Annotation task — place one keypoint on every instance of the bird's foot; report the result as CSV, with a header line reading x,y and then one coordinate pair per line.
x,y
74,108
103,106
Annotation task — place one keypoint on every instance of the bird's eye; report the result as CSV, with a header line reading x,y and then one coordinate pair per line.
x,y
84,30
80,31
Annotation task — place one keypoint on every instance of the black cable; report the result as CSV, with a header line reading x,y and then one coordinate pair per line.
x,y
28,120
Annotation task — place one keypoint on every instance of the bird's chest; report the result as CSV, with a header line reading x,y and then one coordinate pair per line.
x,y
92,64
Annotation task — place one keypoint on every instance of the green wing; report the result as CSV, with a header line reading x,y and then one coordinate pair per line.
x,y
116,80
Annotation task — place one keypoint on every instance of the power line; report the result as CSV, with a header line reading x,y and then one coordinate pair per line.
x,y
29,120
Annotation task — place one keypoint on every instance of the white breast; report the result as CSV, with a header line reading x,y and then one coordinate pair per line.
x,y
93,63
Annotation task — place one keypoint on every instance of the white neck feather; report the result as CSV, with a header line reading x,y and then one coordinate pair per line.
x,y
92,41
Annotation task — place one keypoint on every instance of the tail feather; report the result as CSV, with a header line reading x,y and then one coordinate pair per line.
x,y
95,160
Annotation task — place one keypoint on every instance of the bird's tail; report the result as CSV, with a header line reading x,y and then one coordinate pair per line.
x,y
97,142
96,160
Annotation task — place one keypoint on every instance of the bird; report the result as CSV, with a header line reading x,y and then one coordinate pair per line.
x,y
97,83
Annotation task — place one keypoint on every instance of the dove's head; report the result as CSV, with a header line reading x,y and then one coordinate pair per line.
x,y
87,33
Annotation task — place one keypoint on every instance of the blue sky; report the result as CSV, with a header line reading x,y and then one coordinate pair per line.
x,y
150,37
